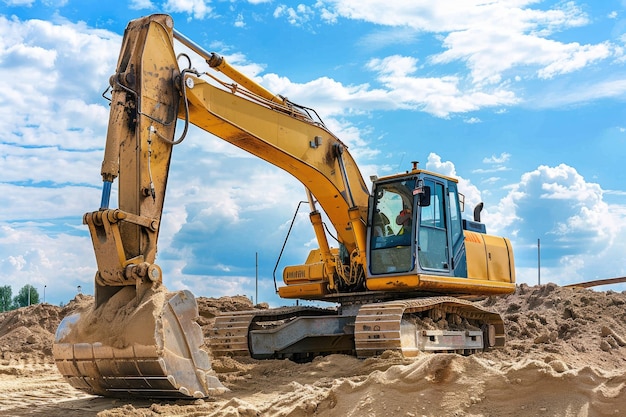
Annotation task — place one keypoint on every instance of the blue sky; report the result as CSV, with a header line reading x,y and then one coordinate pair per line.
x,y
522,100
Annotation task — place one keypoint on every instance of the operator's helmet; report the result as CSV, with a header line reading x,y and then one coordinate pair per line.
x,y
404,218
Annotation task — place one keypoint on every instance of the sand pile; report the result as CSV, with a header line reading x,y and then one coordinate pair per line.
x,y
565,356
209,308
26,334
581,326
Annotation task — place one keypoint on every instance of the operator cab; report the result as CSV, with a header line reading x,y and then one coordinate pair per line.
x,y
416,226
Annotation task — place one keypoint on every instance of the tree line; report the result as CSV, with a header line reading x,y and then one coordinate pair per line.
x,y
27,295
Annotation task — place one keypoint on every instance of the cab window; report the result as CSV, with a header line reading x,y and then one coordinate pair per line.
x,y
392,232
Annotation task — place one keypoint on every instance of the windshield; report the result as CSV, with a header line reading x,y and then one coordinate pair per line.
x,y
391,233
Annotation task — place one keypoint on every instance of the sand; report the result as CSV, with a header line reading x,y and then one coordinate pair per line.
x,y
129,318
565,356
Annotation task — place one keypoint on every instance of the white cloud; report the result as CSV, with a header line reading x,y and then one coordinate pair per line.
x,y
490,38
141,4
472,194
491,180
504,157
439,96
60,262
330,97
498,168
67,65
389,37
499,42
239,21
572,57
27,3
578,228
296,16
51,202
326,14
394,66
436,95
50,150
435,164
199,9
581,92
495,163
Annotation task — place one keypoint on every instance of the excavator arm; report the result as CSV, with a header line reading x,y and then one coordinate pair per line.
x,y
148,92
149,89
138,339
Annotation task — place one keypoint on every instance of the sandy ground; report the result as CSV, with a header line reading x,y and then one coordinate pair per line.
x,y
565,356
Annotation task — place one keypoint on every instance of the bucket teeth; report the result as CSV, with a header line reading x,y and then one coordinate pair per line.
x,y
169,365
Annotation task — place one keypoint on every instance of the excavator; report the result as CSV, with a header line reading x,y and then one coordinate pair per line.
x,y
405,275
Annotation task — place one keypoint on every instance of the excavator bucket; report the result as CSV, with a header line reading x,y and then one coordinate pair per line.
x,y
145,345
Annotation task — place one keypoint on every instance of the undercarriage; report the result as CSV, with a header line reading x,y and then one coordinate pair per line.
x,y
432,324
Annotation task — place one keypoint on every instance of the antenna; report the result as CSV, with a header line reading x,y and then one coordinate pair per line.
x,y
401,161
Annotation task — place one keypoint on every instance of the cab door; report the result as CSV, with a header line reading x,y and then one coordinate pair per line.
x,y
440,241
455,227
433,252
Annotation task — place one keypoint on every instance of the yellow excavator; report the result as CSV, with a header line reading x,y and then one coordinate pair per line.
x,y
405,274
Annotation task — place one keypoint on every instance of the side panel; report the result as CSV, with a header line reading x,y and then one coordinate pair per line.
x,y
298,274
489,257
498,259
476,255
313,290
439,284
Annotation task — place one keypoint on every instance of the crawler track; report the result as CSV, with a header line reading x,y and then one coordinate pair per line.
x,y
230,335
378,327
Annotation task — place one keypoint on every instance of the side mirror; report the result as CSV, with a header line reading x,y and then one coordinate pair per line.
x,y
423,194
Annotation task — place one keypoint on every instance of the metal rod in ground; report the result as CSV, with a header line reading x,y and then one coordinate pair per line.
x,y
538,261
